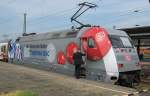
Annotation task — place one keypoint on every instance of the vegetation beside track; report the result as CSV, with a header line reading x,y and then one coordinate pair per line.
x,y
19,93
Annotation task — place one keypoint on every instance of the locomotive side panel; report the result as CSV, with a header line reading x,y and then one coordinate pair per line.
x,y
45,53
57,53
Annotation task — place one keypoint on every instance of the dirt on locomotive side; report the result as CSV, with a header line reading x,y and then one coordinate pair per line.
x,y
14,77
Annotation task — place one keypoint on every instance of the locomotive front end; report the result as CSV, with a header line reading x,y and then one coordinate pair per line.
x,y
127,59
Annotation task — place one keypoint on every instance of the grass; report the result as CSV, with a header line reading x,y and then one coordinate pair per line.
x,y
20,93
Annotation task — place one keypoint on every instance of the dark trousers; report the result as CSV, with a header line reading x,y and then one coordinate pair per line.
x,y
77,71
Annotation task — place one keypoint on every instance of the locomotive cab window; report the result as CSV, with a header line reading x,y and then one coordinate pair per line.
x,y
91,43
120,42
126,42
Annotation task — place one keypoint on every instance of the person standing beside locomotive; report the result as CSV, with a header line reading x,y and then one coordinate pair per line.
x,y
78,61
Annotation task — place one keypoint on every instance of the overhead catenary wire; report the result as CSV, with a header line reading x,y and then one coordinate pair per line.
x,y
127,12
40,21
60,13
133,11
56,13
118,16
65,12
121,17
58,27
42,17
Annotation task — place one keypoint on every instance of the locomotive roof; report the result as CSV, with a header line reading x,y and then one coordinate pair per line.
x,y
116,32
51,35
68,33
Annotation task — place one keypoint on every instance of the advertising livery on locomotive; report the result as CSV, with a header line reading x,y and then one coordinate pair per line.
x,y
110,54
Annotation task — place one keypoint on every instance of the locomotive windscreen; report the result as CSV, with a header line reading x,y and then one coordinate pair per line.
x,y
120,42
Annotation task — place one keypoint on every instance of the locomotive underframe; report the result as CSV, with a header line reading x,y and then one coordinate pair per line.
x,y
129,79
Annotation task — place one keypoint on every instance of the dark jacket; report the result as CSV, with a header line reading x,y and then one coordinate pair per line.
x,y
78,58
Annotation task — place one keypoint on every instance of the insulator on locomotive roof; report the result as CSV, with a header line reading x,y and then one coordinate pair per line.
x,y
87,25
95,26
29,34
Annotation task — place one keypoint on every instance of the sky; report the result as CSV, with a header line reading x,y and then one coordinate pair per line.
x,y
49,15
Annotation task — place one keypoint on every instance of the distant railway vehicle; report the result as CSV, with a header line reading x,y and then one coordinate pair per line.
x,y
4,51
110,54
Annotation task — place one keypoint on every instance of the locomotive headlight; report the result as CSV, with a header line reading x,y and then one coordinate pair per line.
x,y
120,66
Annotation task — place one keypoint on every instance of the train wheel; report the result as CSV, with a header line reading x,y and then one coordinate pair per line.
x,y
137,80
134,81
131,84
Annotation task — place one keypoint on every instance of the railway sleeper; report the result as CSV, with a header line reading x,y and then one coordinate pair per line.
x,y
139,93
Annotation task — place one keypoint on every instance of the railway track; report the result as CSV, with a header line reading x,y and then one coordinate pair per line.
x,y
140,91
145,72
54,84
